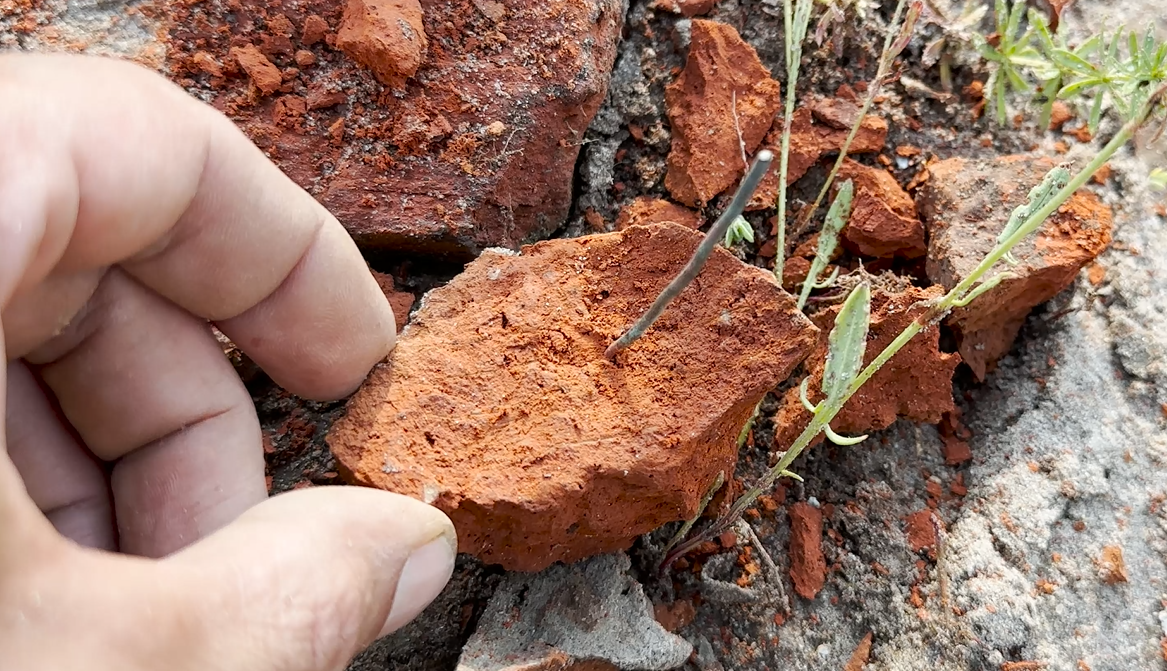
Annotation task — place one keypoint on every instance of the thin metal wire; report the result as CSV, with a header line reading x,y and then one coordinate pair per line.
x,y
704,250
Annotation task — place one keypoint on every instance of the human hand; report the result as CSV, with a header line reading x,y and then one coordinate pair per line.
x,y
132,215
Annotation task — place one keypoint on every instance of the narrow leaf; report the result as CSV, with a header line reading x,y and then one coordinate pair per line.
x,y
837,217
847,342
1015,79
1038,22
1096,113
1014,19
1071,61
1070,89
842,440
1039,197
1092,44
1002,112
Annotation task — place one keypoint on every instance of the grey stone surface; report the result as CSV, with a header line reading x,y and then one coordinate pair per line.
x,y
592,610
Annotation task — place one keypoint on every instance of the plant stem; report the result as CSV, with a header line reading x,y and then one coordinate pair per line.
x,y
886,58
936,312
793,62
700,256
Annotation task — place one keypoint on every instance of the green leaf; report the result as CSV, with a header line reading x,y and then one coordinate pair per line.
x,y
1161,55
1112,51
1015,80
1001,13
842,440
1042,28
1030,58
1096,113
802,18
1014,20
738,231
1089,46
837,218
991,54
847,342
1073,88
1158,179
1038,197
1071,61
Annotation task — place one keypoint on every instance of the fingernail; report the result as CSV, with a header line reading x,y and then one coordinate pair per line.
x,y
425,574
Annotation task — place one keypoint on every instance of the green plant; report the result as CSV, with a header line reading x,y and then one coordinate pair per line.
x,y
842,376
1099,67
1011,56
739,230
1158,179
828,241
796,20
896,40
847,343
1121,68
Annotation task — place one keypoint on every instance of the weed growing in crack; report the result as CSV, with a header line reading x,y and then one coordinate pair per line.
x,y
843,377
1098,67
739,230
1135,85
898,35
796,15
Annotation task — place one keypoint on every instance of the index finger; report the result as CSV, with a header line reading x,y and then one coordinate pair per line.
x,y
114,165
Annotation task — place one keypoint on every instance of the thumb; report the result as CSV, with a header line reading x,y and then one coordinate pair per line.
x,y
305,580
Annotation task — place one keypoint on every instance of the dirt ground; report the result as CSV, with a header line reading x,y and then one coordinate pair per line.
x,y
1052,550
1067,436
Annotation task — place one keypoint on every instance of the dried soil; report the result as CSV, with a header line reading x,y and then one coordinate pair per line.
x,y
454,133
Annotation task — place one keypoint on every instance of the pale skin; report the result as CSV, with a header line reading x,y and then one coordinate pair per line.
x,y
132,217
